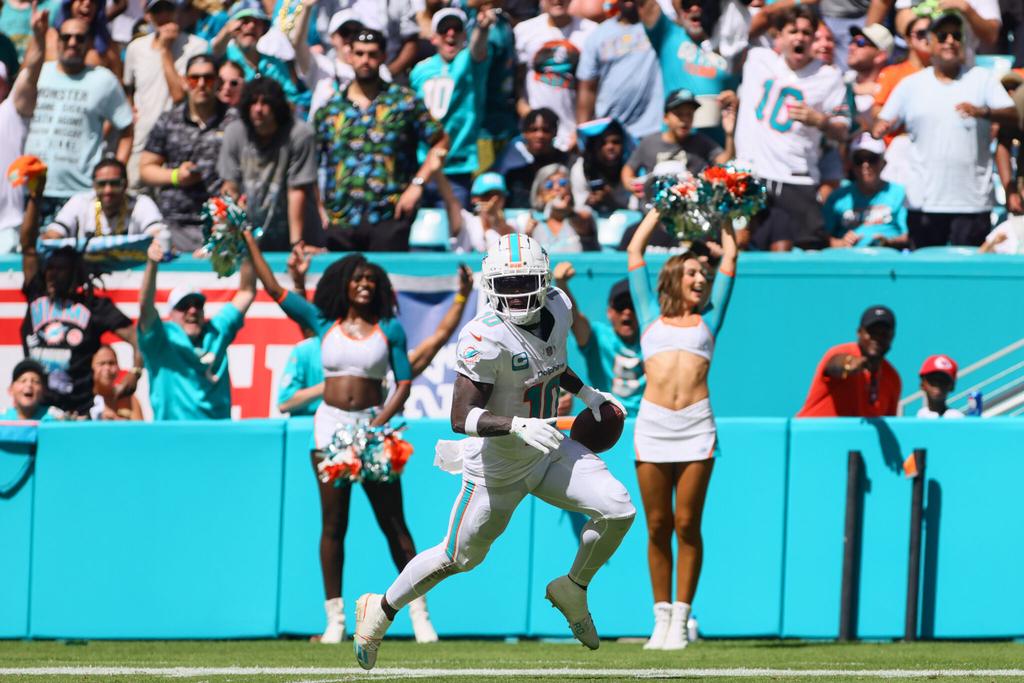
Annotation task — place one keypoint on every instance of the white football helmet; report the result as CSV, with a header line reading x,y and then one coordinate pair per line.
x,y
516,278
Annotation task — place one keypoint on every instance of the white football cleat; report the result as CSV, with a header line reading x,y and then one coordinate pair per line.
x,y
677,637
371,625
571,601
335,631
662,617
420,618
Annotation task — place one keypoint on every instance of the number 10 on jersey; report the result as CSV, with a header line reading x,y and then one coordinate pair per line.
x,y
543,398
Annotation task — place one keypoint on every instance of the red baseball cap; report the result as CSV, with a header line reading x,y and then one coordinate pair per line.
x,y
939,363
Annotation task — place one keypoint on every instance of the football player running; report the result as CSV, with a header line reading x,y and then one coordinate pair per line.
x,y
511,362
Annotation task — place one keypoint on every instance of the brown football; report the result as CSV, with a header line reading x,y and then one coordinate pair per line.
x,y
598,436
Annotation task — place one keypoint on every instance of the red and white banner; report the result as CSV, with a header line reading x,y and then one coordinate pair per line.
x,y
261,348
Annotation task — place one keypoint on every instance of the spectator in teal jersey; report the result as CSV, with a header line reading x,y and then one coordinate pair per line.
x,y
610,349
187,354
15,24
301,389
499,123
451,84
685,63
869,211
28,382
238,42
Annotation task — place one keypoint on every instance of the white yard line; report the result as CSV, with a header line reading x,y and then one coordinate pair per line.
x,y
385,672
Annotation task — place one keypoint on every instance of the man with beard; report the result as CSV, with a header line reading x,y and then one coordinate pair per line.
x,y
74,105
686,62
368,135
787,102
854,379
619,76
451,83
187,354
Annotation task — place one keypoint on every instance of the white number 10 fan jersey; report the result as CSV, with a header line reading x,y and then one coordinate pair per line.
x,y
768,142
525,372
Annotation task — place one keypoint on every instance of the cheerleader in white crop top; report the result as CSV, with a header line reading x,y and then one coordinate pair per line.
x,y
675,436
353,314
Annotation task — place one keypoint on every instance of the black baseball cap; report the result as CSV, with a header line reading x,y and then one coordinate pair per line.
x,y
680,97
28,365
878,314
619,291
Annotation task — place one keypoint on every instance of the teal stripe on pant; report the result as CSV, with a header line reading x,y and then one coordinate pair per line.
x,y
460,512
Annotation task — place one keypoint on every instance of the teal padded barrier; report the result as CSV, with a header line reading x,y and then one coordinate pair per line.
x,y
743,520
17,485
157,530
973,521
428,495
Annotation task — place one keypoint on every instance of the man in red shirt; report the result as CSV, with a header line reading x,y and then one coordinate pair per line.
x,y
854,379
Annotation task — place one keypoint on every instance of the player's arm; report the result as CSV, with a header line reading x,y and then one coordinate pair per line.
x,y
469,417
470,396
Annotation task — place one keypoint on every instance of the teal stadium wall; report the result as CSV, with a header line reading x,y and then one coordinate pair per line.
x,y
199,530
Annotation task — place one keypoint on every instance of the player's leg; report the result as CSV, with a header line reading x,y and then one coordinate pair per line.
x,y
479,516
657,481
691,491
579,481
386,501
334,504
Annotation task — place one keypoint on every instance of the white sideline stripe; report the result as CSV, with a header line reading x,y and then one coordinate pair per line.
x,y
193,672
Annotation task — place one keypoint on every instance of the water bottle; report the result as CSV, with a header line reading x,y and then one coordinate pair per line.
x,y
691,629
974,403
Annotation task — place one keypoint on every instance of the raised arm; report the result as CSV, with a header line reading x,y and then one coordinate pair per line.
x,y
30,228
650,12
246,293
25,89
581,330
478,39
299,37
421,356
637,245
147,297
262,268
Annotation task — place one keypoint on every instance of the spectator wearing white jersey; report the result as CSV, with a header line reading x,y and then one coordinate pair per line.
x,y
787,102
948,110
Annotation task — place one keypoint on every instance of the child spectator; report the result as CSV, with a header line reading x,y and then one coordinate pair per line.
x,y
938,378
28,381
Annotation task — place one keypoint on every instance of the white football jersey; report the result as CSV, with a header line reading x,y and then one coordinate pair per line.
x,y
525,372
768,142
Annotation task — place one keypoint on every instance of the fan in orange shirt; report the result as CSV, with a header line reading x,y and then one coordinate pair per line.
x,y
854,379
918,57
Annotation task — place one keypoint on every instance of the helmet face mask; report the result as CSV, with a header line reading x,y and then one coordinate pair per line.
x,y
516,278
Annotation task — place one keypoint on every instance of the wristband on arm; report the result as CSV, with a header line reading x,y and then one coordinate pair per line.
x,y
472,420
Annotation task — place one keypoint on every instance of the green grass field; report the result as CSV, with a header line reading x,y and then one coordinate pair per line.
x,y
465,660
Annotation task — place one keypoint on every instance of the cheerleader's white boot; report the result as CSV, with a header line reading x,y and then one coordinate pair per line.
x,y
420,617
678,633
662,617
335,631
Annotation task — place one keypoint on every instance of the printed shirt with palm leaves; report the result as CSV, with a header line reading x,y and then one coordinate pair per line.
x,y
370,155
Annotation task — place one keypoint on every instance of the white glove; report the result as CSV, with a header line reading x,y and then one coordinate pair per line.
x,y
537,433
594,399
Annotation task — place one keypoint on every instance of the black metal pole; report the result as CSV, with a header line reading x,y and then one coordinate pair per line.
x,y
914,568
851,548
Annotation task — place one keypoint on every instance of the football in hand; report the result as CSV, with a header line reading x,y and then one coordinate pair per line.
x,y
598,436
